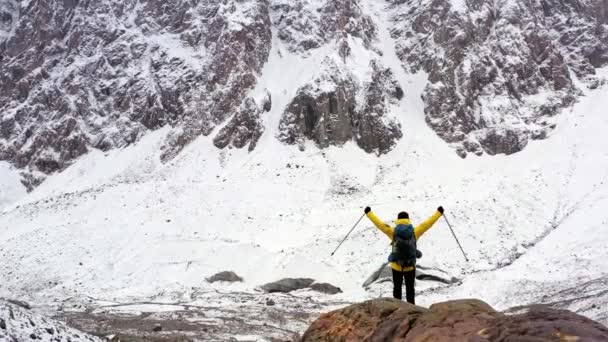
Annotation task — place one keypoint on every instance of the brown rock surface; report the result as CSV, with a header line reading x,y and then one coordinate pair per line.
x,y
460,320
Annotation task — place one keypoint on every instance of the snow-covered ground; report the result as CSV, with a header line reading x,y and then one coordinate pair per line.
x,y
122,226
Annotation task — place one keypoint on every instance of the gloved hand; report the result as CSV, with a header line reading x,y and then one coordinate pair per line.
x,y
367,209
440,209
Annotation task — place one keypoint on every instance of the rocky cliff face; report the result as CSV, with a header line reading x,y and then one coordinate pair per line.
x,y
99,74
461,320
499,70
336,107
81,75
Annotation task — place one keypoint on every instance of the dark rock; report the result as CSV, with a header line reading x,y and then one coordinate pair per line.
x,y
157,327
33,336
267,102
287,285
333,20
460,320
385,274
326,112
2,324
244,128
325,288
228,276
20,303
270,302
505,141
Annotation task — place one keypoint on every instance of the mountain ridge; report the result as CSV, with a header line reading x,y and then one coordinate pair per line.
x,y
105,74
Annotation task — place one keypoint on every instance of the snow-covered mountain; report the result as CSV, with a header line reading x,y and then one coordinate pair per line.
x,y
82,75
176,141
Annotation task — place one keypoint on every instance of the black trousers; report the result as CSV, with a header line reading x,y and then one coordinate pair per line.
x,y
410,278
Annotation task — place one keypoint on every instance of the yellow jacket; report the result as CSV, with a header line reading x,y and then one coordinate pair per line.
x,y
390,231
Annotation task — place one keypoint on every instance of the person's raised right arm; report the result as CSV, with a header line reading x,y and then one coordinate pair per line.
x,y
385,228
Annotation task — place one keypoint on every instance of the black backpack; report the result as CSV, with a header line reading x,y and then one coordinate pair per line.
x,y
404,246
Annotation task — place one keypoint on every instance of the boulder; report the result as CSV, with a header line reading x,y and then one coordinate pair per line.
x,y
460,320
228,276
376,320
287,285
325,288
20,303
384,274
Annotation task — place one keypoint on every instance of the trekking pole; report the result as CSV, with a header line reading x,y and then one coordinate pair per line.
x,y
332,254
458,242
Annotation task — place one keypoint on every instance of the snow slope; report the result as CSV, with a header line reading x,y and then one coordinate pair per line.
x,y
122,226
11,188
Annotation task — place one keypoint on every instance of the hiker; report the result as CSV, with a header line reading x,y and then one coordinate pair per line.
x,y
404,252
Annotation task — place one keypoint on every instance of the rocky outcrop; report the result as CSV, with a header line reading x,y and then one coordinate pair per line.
x,y
499,70
337,107
306,25
325,288
286,285
460,320
76,75
227,276
244,128
384,274
19,324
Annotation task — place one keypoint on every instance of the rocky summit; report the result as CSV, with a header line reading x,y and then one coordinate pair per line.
x,y
460,320
83,75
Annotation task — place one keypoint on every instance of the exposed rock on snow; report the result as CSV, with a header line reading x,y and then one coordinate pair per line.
x,y
498,70
287,285
385,273
462,320
336,107
245,127
19,324
325,288
77,75
307,25
228,276
20,303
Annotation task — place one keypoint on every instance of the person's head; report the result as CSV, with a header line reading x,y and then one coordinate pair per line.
x,y
403,215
